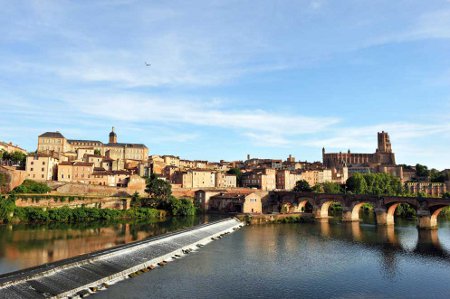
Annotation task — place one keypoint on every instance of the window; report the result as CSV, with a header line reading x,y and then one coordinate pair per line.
x,y
42,169
43,162
32,162
31,169
62,176
42,176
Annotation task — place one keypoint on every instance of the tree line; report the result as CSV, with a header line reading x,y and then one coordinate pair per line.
x,y
370,184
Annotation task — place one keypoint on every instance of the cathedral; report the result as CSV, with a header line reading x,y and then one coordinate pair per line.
x,y
382,157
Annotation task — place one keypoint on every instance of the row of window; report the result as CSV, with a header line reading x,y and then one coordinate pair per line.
x,y
34,176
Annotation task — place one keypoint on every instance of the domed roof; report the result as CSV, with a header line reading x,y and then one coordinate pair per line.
x,y
112,133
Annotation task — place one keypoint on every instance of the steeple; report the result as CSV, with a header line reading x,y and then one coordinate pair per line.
x,y
112,136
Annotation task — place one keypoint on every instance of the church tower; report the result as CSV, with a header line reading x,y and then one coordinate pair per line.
x,y
384,144
112,136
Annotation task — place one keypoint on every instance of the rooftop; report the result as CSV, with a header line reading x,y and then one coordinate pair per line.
x,y
135,145
52,135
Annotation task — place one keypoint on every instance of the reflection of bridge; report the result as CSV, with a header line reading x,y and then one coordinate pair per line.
x,y
387,241
293,202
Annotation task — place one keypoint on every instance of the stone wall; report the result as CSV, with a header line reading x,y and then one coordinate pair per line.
x,y
83,189
58,201
13,178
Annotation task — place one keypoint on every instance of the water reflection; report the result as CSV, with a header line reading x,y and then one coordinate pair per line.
x,y
317,260
23,246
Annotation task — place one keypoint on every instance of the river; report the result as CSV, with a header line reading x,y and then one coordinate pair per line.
x,y
24,245
316,260
308,260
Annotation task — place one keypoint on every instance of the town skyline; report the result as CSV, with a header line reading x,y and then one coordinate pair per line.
x,y
320,75
243,158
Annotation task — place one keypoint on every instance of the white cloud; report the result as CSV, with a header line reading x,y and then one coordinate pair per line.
x,y
194,112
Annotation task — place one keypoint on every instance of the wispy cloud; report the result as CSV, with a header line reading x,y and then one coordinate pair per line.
x,y
141,108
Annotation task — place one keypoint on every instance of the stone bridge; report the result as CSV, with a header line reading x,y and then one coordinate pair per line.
x,y
427,209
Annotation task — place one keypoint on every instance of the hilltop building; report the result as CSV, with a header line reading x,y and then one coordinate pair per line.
x,y
383,160
56,142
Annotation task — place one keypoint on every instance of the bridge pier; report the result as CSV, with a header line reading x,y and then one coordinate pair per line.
x,y
426,220
383,217
348,215
318,214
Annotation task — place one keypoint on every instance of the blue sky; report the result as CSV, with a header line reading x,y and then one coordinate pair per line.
x,y
230,78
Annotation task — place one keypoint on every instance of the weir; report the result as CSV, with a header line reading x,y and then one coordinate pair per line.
x,y
76,276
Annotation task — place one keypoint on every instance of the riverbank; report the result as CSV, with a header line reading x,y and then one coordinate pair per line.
x,y
253,219
11,213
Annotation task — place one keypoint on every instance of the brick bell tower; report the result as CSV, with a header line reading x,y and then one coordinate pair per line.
x,y
112,136
384,144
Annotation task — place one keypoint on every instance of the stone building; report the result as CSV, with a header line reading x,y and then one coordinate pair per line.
x,y
383,160
286,179
231,202
55,141
75,172
382,156
198,178
224,180
428,188
264,179
171,160
10,147
42,166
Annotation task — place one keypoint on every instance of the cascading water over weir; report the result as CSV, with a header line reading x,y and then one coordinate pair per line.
x,y
79,276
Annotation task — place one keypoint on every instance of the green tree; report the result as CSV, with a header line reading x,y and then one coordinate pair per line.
x,y
97,152
439,177
181,207
330,187
158,189
357,184
15,157
422,171
327,187
374,184
302,186
30,186
238,173
7,207
446,195
136,200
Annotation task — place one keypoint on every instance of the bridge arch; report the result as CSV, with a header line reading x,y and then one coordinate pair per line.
x,y
352,213
303,203
434,216
321,211
296,205
390,211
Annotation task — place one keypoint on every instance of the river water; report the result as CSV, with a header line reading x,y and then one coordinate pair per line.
x,y
314,260
23,246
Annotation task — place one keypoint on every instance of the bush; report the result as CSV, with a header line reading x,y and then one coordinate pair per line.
x,y
7,207
181,207
37,214
30,186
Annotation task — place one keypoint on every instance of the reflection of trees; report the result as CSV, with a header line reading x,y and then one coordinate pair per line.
x,y
31,245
